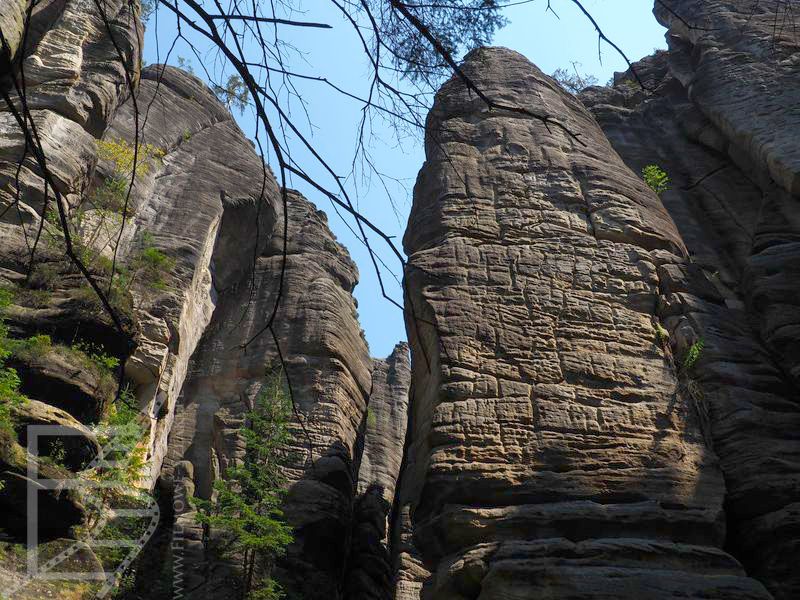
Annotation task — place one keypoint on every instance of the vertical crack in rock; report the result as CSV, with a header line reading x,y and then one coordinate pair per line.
x,y
553,450
547,439
331,375
369,574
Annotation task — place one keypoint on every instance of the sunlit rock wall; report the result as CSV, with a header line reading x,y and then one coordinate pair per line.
x,y
553,450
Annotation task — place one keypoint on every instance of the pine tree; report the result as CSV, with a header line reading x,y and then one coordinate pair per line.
x,y
246,509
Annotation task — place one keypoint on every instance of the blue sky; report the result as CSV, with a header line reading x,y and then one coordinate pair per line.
x,y
333,119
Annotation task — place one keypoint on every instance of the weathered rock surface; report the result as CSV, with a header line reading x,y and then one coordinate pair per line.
x,y
556,443
328,367
78,442
386,422
370,567
178,205
717,120
219,226
552,449
59,510
73,78
73,81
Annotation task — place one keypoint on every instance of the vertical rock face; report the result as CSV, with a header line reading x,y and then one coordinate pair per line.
x,y
73,80
552,449
328,366
387,417
71,77
605,383
199,326
369,573
718,120
178,206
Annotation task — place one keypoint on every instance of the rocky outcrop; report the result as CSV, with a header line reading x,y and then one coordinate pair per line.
x,y
328,368
604,382
74,78
369,572
71,74
386,420
178,206
198,324
553,450
715,119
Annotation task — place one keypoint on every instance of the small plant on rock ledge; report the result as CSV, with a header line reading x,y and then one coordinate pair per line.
x,y
150,264
693,354
9,380
574,82
656,178
662,335
112,193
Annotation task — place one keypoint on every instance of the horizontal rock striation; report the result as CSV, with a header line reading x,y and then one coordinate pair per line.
x,y
67,81
717,121
195,327
552,448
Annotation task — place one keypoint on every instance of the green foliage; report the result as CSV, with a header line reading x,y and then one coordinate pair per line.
x,y
151,264
187,135
121,153
56,453
148,6
234,94
111,194
656,178
662,335
185,64
32,298
123,431
119,298
31,348
458,25
9,380
97,355
574,82
247,506
44,276
693,354
122,529
630,84
372,420
52,217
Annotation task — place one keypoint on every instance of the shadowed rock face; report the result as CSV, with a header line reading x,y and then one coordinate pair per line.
x,y
555,444
369,574
329,369
553,450
73,82
718,121
181,204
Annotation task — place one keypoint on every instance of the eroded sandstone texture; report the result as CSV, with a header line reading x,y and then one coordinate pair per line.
x,y
72,77
195,352
553,450
718,119
556,441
